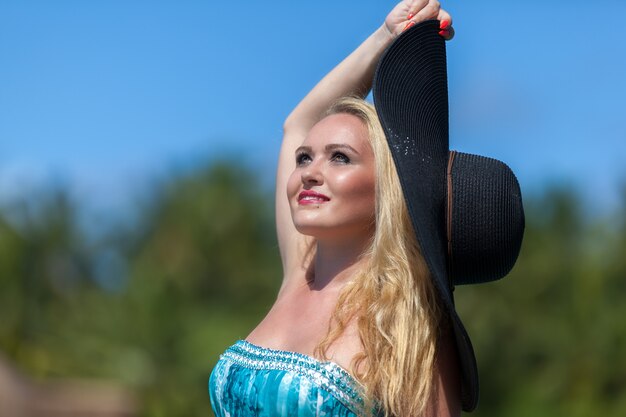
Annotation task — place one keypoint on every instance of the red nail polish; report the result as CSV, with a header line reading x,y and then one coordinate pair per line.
x,y
411,23
444,33
410,16
444,24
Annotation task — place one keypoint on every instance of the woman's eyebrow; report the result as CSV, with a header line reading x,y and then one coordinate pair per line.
x,y
328,148
306,149
335,146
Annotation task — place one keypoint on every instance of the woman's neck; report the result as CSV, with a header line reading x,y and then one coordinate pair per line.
x,y
336,263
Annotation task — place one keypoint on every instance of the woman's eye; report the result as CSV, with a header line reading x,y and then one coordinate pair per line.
x,y
302,158
340,157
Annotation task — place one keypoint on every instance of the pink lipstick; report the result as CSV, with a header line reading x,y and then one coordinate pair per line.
x,y
311,197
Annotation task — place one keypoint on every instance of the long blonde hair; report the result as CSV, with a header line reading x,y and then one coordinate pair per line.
x,y
392,297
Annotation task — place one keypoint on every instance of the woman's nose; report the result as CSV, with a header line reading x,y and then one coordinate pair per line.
x,y
311,175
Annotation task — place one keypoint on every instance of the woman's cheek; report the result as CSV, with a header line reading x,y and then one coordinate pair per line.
x,y
292,186
359,189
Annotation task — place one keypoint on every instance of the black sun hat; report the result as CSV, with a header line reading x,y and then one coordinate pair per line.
x,y
466,209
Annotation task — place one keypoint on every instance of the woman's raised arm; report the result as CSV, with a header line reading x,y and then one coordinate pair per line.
x,y
353,76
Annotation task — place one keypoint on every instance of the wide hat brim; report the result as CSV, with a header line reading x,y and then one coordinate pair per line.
x,y
466,210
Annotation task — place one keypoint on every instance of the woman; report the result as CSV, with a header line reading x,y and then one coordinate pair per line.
x,y
357,327
325,225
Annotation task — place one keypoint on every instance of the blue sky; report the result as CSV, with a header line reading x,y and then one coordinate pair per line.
x,y
105,96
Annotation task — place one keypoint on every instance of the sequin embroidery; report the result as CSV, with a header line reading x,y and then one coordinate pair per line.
x,y
250,380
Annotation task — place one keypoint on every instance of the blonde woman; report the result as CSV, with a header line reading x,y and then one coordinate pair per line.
x,y
358,326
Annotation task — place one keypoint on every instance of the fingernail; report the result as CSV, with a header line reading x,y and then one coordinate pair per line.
x,y
410,16
411,23
444,33
444,24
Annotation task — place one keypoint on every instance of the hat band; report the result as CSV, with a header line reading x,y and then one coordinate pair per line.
x,y
451,156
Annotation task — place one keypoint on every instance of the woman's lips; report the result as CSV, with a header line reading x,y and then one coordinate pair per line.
x,y
311,197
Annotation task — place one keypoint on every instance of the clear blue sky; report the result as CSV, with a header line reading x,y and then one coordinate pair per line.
x,y
106,95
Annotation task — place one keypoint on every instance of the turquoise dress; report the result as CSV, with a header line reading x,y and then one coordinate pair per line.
x,y
252,381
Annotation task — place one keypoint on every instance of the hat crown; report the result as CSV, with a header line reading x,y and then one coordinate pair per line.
x,y
487,221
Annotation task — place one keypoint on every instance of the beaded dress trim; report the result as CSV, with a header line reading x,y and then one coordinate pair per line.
x,y
328,375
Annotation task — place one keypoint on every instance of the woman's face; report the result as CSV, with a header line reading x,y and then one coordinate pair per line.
x,y
332,190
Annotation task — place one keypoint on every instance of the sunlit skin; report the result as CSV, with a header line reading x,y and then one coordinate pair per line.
x,y
331,192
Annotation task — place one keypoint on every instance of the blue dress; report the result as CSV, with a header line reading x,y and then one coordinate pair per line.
x,y
252,381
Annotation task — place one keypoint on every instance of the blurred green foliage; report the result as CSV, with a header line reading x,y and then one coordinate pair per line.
x,y
152,306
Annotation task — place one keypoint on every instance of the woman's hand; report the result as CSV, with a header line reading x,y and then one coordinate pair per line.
x,y
410,12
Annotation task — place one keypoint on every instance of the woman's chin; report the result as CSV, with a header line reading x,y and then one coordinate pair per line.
x,y
334,232
310,230
318,231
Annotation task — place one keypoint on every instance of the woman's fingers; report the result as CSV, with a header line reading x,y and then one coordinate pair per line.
x,y
428,11
444,16
447,31
410,12
414,6
447,34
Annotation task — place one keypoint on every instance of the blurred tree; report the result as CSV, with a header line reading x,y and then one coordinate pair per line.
x,y
548,337
203,273
43,265
201,269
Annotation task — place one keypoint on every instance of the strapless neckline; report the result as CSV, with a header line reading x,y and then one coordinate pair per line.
x,y
304,356
328,375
